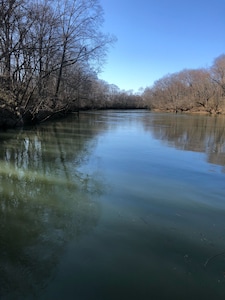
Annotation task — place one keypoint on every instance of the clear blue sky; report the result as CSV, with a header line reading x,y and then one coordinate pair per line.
x,y
157,37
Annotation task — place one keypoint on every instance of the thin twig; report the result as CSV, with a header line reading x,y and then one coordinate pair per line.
x,y
144,220
212,257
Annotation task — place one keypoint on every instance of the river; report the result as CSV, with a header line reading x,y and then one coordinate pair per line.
x,y
114,205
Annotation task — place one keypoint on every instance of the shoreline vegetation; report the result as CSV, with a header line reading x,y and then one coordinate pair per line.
x,y
51,53
190,90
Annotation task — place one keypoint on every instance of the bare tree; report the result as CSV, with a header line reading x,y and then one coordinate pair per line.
x,y
218,77
79,34
48,50
190,90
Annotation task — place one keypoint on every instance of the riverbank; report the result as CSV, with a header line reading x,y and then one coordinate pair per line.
x,y
15,119
199,112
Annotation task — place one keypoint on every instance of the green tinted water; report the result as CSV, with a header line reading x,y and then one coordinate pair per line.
x,y
115,205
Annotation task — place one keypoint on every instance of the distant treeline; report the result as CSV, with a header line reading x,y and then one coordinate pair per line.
x,y
198,90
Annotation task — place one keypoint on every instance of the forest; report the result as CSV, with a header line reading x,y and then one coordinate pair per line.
x,y
51,53
190,90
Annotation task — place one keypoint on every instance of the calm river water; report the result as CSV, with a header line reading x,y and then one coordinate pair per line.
x,y
114,205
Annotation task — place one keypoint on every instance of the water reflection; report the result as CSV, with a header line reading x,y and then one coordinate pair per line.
x,y
155,226
44,202
191,133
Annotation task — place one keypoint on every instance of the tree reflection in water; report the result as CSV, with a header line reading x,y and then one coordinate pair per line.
x,y
196,133
44,202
